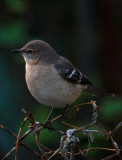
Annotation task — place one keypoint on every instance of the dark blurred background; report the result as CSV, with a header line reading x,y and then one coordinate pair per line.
x,y
88,32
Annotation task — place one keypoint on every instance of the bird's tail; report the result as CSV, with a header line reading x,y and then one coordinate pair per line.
x,y
95,91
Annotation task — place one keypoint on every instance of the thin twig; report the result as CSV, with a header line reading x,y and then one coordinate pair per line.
x,y
97,148
17,143
54,154
68,142
114,130
70,125
84,104
21,143
83,153
12,150
8,131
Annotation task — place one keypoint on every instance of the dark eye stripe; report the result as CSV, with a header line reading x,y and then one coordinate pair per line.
x,y
30,51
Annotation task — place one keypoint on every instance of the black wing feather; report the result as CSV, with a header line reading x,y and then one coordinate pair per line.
x,y
66,69
70,73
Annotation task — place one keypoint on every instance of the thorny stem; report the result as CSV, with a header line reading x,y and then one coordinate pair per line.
x,y
35,129
21,143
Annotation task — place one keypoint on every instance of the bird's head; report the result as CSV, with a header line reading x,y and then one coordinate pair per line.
x,y
33,50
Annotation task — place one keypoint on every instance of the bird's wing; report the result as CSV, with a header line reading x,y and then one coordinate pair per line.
x,y
70,73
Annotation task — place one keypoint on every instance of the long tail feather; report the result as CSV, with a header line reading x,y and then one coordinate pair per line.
x,y
97,91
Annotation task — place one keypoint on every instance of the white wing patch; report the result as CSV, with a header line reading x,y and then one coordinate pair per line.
x,y
75,75
73,72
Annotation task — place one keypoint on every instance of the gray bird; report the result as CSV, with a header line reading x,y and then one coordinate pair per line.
x,y
52,79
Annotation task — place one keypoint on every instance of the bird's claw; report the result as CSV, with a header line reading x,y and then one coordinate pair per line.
x,y
48,125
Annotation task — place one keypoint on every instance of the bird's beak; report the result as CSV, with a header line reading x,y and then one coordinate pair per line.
x,y
16,51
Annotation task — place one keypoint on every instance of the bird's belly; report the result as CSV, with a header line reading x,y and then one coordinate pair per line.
x,y
52,90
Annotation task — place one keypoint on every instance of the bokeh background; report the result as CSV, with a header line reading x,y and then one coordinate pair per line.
x,y
88,32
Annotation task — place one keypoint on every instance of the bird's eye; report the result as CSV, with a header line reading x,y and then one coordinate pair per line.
x,y
30,51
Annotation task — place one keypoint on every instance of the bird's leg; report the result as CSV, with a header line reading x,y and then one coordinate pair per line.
x,y
50,114
65,112
47,123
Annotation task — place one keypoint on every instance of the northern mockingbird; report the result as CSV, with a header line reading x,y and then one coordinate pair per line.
x,y
52,79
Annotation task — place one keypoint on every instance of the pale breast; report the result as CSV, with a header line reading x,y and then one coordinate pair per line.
x,y
49,88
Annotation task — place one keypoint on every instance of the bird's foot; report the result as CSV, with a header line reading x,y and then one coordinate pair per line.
x,y
48,125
